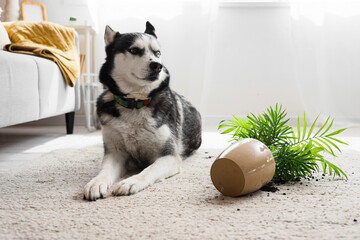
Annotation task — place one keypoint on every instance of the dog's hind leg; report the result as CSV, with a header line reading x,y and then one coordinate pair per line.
x,y
112,168
162,168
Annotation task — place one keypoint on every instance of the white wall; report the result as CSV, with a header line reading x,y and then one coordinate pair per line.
x,y
253,64
251,60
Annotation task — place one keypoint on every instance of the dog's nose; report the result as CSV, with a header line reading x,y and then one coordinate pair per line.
x,y
156,67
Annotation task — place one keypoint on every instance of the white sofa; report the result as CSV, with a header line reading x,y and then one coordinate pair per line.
x,y
32,88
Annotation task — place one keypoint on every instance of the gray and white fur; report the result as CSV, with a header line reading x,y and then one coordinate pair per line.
x,y
151,141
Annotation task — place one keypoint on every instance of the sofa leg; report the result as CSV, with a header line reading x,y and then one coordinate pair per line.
x,y
69,118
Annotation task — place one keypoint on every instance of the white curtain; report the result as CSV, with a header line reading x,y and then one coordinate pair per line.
x,y
240,58
326,51
184,29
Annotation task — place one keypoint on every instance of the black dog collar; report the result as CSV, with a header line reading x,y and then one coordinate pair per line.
x,y
131,102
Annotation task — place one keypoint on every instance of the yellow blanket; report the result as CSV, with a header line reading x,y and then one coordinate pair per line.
x,y
48,40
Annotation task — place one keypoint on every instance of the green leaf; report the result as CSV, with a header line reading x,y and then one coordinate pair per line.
x,y
228,130
308,146
312,126
237,118
337,140
292,133
322,127
336,132
222,126
328,127
324,165
343,173
316,150
328,149
298,128
304,128
333,144
336,170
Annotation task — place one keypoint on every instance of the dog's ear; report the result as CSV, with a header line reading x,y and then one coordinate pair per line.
x,y
109,35
150,29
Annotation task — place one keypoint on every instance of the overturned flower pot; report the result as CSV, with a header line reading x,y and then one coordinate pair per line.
x,y
243,167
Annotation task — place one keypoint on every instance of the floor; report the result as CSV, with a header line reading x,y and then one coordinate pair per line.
x,y
22,143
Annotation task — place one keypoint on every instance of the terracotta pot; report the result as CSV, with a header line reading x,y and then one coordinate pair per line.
x,y
243,167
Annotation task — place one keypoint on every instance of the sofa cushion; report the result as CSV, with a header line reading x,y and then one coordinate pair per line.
x,y
56,97
19,95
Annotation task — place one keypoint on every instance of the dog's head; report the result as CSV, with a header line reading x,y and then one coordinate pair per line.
x,y
133,62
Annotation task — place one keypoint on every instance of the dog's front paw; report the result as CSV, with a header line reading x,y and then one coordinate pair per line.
x,y
130,185
96,188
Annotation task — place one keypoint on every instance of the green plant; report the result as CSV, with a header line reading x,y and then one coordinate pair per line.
x,y
297,153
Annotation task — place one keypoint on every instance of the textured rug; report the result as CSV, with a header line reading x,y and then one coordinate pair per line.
x,y
43,199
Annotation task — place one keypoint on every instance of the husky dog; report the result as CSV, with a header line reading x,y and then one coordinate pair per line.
x,y
147,128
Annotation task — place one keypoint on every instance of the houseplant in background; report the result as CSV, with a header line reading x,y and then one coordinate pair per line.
x,y
297,152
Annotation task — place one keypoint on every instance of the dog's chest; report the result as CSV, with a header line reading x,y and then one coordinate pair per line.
x,y
136,133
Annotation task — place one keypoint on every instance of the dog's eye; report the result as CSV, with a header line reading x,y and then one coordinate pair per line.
x,y
157,53
134,50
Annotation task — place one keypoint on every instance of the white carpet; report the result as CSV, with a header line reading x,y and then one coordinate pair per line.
x,y
43,199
